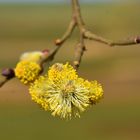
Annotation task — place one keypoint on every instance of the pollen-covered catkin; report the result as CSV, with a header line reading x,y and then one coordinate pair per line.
x,y
27,71
63,93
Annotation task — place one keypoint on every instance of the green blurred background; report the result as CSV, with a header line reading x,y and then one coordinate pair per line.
x,y
27,27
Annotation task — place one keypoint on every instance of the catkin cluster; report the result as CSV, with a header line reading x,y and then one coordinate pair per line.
x,y
64,93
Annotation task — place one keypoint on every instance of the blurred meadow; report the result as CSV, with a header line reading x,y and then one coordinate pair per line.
x,y
27,27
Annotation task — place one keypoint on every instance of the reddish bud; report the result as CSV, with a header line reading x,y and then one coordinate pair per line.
x,y
8,73
46,51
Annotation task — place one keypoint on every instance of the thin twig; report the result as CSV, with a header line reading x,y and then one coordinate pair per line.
x,y
86,34
91,36
67,34
3,81
77,14
80,48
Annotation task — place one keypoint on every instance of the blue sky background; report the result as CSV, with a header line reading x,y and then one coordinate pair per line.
x,y
54,1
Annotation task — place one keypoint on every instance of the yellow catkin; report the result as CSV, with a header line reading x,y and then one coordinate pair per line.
x,y
27,71
63,93
35,56
95,91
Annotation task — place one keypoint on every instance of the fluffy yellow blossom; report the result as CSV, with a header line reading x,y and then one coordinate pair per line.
x,y
38,92
35,56
95,91
27,71
59,71
63,93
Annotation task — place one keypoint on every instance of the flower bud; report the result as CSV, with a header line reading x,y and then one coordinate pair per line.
x,y
8,73
35,56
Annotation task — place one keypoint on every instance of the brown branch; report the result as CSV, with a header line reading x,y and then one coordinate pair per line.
x,y
80,48
59,42
3,81
86,34
77,14
67,34
91,36
77,21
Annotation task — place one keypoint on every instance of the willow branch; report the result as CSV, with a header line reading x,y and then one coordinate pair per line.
x,y
77,14
87,34
91,36
67,34
59,42
80,48
3,81
75,21
52,53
